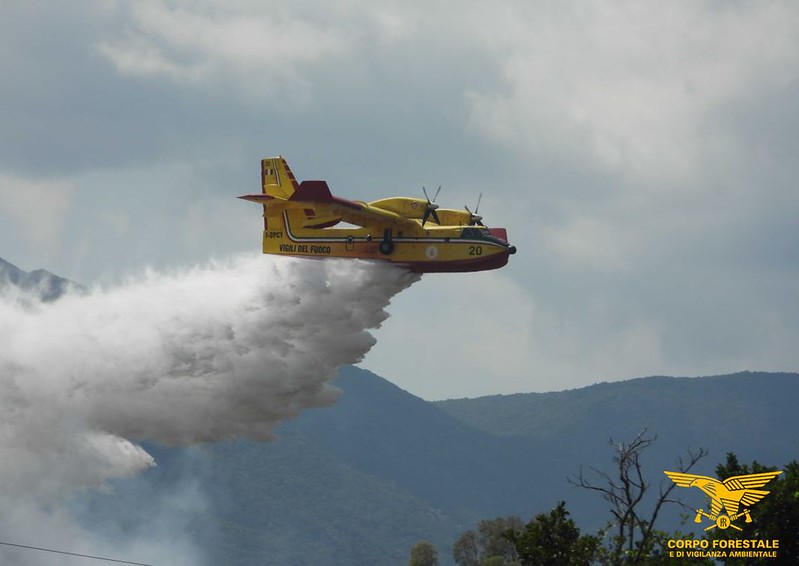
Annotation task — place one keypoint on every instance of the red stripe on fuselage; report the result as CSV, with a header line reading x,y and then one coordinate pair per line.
x,y
455,266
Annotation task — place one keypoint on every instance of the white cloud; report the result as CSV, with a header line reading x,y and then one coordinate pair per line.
x,y
632,87
37,205
591,240
256,51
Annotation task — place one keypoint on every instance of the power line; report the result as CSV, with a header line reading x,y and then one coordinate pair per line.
x,y
73,554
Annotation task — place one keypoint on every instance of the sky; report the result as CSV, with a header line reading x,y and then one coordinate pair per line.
x,y
641,155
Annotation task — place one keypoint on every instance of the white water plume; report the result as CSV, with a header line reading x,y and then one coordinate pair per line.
x,y
201,355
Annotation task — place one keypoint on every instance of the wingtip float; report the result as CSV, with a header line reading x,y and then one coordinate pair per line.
x,y
299,220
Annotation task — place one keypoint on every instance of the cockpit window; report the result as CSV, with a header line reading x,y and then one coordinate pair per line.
x,y
475,232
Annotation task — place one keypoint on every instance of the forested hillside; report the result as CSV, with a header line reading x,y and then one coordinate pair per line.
x,y
362,481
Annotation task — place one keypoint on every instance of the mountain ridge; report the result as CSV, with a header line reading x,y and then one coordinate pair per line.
x,y
42,284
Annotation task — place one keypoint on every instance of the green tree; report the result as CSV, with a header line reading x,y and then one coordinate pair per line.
x,y
423,553
487,545
553,539
776,516
465,550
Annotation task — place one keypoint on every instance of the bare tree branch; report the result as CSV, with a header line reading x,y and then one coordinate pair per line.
x,y
625,492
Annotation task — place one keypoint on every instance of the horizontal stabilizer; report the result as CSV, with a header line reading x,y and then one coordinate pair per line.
x,y
259,198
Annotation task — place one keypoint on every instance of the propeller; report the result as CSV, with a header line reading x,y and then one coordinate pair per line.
x,y
431,207
474,218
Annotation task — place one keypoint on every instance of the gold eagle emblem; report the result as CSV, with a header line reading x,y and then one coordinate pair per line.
x,y
734,496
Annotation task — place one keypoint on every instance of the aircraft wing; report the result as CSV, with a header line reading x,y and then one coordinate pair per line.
x,y
318,195
365,215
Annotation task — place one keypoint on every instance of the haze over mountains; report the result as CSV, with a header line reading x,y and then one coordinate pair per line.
x,y
41,283
363,480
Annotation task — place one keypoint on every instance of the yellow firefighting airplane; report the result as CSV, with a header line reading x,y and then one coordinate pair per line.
x,y
413,232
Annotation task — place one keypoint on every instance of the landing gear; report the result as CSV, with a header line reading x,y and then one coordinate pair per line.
x,y
386,245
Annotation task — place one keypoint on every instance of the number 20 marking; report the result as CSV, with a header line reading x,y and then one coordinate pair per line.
x,y
475,250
